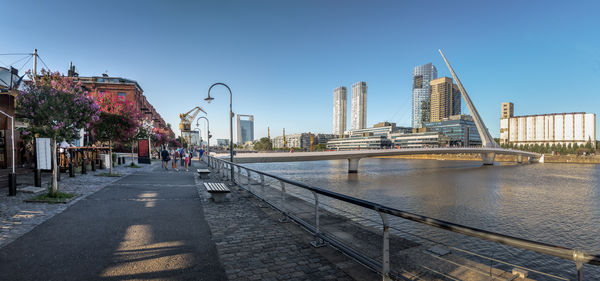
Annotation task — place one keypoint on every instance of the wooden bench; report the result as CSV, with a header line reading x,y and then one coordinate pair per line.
x,y
218,191
203,173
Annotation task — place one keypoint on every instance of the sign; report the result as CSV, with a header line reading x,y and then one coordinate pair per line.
x,y
143,149
44,153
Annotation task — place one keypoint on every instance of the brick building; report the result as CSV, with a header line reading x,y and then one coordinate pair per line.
x,y
125,88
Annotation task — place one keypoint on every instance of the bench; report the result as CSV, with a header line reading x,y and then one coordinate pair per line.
x,y
203,173
218,191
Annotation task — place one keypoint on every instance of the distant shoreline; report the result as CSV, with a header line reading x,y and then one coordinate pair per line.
x,y
571,159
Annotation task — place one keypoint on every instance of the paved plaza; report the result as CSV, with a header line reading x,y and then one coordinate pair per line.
x,y
159,225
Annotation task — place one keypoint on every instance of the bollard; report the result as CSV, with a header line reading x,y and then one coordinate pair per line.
x,y
71,170
93,165
83,167
12,184
37,178
58,175
118,160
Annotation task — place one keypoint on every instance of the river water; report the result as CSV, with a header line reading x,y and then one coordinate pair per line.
x,y
557,204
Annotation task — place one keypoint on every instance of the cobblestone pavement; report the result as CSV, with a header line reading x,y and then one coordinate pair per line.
x,y
253,245
18,217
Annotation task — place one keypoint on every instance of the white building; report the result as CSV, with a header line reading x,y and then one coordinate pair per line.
x,y
340,102
555,128
358,117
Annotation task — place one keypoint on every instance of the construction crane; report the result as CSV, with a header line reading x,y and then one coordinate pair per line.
x,y
186,122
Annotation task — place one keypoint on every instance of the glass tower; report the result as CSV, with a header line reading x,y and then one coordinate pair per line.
x,y
340,103
421,93
358,117
245,128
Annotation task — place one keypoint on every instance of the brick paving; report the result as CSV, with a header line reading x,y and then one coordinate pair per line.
x,y
254,245
18,217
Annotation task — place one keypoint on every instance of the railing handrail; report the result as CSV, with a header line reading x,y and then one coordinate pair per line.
x,y
544,248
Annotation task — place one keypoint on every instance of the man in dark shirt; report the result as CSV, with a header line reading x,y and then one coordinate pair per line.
x,y
164,154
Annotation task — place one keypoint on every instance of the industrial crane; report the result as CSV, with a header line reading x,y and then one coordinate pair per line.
x,y
186,121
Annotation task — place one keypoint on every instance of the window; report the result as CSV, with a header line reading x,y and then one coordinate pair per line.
x,y
122,95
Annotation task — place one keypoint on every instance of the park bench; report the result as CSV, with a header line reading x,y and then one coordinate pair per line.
x,y
203,173
218,191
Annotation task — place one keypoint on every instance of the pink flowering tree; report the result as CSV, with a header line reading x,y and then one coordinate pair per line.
x,y
56,107
119,120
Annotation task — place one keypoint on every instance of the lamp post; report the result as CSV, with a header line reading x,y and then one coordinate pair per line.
x,y
209,99
207,132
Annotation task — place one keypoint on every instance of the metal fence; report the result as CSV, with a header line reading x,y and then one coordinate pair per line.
x,y
326,215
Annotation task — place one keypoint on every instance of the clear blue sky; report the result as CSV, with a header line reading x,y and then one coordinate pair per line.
x,y
283,59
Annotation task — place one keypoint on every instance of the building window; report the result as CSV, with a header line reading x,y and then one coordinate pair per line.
x,y
122,96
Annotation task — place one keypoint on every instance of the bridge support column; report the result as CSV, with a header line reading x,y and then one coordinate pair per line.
x,y
353,165
519,158
488,158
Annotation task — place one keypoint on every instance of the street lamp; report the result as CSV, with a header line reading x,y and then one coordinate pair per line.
x,y
207,132
209,99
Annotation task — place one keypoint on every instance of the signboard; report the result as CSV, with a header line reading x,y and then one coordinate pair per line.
x,y
143,148
44,153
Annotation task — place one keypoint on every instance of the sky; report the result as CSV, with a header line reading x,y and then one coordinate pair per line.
x,y
283,59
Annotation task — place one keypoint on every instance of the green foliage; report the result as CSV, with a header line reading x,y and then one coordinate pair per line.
x,y
108,175
56,197
264,144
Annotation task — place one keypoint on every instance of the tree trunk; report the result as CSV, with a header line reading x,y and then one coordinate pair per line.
x,y
55,171
110,164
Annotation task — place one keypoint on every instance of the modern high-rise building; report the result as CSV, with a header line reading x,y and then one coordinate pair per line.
x,y
245,128
422,75
358,117
340,103
444,99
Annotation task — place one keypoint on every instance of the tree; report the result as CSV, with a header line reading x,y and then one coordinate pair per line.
x,y
119,120
56,107
264,144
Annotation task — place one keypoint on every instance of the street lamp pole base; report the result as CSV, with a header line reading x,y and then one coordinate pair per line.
x,y
12,184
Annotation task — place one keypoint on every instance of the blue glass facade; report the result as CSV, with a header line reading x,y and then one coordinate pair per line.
x,y
461,130
421,92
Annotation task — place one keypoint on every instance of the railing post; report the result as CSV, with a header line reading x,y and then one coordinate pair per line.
x,y
283,206
578,258
385,262
318,242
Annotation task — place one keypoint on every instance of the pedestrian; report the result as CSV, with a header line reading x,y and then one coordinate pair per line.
x,y
200,153
186,154
181,152
175,156
165,158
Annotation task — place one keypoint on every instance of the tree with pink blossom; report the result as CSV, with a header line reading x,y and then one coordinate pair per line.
x,y
55,107
119,120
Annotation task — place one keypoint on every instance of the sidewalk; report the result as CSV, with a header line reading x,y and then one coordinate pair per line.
x,y
156,224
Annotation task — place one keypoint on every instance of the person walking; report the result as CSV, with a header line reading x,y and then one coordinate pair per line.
x,y
181,156
165,158
175,156
186,155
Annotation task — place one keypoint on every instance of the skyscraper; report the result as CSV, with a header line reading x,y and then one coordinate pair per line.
x,y
245,128
358,117
340,103
422,75
444,99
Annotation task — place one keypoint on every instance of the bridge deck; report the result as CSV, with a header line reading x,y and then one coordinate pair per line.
x,y
357,154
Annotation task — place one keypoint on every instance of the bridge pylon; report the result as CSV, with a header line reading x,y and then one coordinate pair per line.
x,y
486,138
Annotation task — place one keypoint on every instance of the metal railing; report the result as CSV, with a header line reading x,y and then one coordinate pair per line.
x,y
383,266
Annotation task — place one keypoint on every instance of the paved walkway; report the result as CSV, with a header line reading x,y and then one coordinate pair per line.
x,y
157,225
144,226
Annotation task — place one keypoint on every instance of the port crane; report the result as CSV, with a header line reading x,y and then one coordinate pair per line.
x,y
185,126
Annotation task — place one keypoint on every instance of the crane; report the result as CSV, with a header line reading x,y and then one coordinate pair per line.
x,y
186,121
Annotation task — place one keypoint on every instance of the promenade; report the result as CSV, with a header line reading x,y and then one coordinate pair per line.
x,y
159,225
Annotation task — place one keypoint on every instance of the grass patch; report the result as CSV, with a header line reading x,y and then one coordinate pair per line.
x,y
59,197
108,175
132,165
